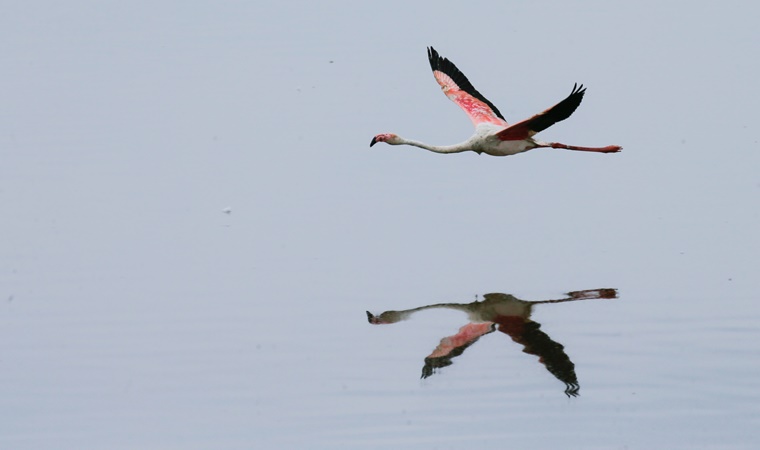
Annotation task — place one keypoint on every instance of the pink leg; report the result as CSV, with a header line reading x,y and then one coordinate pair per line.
x,y
593,294
607,149
588,294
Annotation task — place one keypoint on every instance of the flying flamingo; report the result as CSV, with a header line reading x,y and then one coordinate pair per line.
x,y
493,135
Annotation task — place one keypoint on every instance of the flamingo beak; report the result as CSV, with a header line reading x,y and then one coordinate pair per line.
x,y
374,141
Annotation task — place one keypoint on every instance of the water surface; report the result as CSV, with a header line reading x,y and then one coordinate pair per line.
x,y
194,228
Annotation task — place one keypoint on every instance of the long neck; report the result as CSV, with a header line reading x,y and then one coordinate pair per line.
x,y
395,316
456,148
466,307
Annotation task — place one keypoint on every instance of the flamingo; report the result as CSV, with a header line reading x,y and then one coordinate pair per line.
x,y
509,315
493,135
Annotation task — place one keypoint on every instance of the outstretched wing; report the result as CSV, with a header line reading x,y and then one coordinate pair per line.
x,y
458,88
544,120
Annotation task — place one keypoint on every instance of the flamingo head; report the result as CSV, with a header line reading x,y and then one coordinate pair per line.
x,y
388,138
385,318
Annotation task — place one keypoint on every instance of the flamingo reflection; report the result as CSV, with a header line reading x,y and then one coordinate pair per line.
x,y
509,315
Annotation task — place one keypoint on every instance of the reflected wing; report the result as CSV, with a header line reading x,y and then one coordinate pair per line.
x,y
542,121
535,342
453,346
458,88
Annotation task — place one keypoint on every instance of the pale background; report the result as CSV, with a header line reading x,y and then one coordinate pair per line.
x,y
193,224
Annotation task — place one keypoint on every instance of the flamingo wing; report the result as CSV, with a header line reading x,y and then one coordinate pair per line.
x,y
539,122
458,88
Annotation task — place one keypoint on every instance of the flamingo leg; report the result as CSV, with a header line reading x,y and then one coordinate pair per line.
x,y
607,149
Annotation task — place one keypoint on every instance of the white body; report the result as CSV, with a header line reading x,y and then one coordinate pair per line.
x,y
485,141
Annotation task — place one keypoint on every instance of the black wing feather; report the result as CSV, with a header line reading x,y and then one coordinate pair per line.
x,y
558,112
448,67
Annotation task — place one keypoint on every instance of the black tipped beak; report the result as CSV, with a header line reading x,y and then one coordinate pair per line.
x,y
374,141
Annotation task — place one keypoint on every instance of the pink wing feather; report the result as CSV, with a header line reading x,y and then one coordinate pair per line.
x,y
458,88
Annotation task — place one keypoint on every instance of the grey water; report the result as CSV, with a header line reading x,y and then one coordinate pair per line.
x,y
198,245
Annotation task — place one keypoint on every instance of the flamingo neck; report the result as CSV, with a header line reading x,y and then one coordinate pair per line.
x,y
457,148
464,307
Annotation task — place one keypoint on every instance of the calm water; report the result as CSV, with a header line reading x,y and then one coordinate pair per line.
x,y
195,229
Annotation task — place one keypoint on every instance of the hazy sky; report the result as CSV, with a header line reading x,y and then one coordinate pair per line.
x,y
127,129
